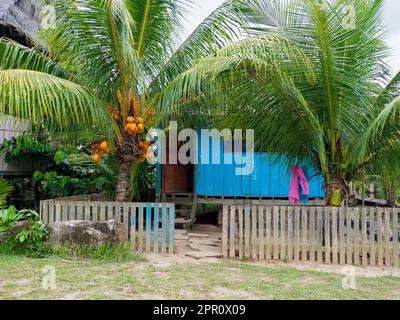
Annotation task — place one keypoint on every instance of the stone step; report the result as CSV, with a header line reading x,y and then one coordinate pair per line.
x,y
181,237
196,247
198,235
183,221
204,254
203,241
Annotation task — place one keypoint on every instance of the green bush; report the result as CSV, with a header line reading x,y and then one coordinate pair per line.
x,y
27,238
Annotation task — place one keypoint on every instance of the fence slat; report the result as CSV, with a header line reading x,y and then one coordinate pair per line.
x,y
247,253
102,212
372,243
320,234
327,236
164,227
283,233
87,207
334,236
254,232
388,261
261,234
312,235
395,238
304,234
290,234
171,247
95,208
232,224
364,237
240,213
297,235
133,225
156,225
141,229
349,251
225,229
127,208
276,233
52,212
356,239
342,239
148,227
380,238
268,237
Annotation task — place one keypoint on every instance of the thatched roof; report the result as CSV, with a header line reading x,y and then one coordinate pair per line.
x,y
21,15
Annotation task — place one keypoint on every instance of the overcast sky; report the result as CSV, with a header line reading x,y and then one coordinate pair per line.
x,y
392,22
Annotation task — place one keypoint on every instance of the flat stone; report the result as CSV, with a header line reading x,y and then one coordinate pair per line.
x,y
181,237
198,235
204,254
180,231
202,241
204,248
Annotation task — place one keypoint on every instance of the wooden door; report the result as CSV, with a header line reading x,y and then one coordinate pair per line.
x,y
177,178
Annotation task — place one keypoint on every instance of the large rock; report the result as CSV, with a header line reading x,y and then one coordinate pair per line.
x,y
83,232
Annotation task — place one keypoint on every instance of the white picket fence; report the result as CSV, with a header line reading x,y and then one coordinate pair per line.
x,y
150,226
352,236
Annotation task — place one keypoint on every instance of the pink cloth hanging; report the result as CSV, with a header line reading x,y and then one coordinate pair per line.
x,y
294,192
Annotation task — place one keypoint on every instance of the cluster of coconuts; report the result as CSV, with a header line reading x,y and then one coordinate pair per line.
x,y
134,125
99,150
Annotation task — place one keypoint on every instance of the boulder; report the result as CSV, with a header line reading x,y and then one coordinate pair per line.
x,y
84,232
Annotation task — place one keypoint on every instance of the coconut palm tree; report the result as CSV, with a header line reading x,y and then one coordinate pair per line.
x,y
101,67
310,78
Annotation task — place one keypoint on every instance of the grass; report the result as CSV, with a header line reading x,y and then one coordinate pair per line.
x,y
20,278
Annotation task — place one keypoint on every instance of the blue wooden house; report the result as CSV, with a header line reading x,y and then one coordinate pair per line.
x,y
270,178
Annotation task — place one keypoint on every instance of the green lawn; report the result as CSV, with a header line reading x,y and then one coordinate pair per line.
x,y
20,278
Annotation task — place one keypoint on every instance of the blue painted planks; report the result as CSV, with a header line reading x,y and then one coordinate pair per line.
x,y
148,227
156,225
164,228
218,169
270,178
171,228
256,176
229,172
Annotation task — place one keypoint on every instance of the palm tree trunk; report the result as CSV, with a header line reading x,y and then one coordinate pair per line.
x,y
124,181
393,195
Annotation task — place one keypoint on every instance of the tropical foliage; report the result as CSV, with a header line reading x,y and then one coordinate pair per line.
x,y
101,69
310,78
22,231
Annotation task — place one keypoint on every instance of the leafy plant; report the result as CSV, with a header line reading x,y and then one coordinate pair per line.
x,y
54,185
29,236
5,190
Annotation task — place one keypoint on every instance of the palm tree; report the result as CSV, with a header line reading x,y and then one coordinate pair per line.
x,y
310,78
101,67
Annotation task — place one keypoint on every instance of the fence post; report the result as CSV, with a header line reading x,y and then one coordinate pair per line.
x,y
225,231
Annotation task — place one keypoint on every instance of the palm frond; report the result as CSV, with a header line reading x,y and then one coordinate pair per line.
x,y
46,99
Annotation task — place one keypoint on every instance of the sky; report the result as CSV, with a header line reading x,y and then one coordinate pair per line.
x,y
202,8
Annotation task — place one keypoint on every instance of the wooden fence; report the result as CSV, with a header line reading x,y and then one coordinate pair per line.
x,y
150,226
352,236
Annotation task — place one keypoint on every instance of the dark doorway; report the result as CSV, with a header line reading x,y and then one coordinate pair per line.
x,y
177,178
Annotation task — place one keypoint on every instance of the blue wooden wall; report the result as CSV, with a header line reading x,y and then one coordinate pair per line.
x,y
270,177
267,180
